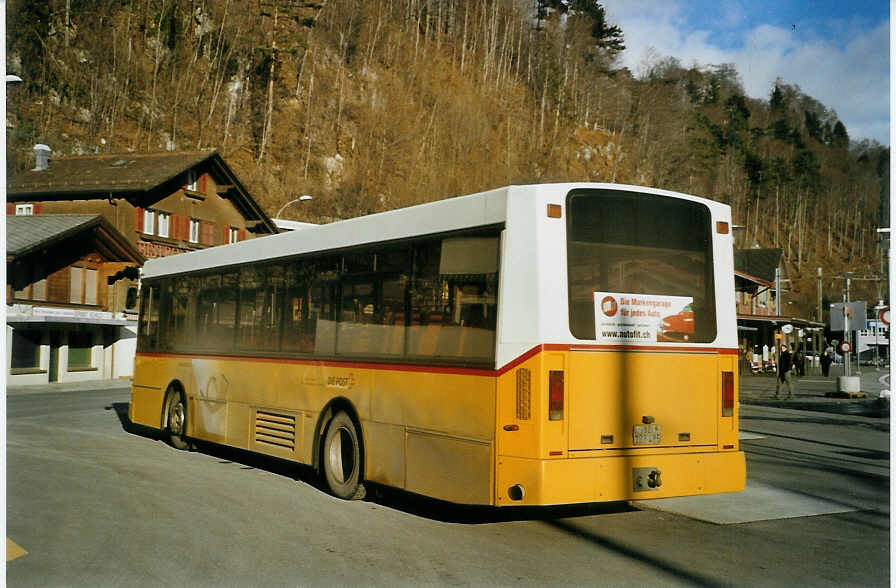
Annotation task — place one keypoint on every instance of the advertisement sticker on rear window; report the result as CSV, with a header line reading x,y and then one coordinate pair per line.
x,y
642,318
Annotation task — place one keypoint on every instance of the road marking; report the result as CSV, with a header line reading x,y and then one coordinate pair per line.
x,y
745,436
13,551
758,502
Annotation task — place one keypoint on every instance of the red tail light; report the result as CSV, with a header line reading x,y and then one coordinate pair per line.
x,y
555,402
727,394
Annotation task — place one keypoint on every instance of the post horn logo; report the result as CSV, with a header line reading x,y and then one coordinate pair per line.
x,y
609,306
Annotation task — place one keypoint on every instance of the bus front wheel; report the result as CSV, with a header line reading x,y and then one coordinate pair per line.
x,y
176,420
341,458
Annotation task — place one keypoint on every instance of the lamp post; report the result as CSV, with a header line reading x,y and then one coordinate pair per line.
x,y
302,198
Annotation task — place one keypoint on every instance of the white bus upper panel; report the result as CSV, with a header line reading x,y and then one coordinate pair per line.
x,y
453,214
534,288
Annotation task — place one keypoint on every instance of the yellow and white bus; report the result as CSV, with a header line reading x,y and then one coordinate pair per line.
x,y
531,345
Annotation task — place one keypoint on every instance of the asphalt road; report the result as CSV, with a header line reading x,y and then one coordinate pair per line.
x,y
94,502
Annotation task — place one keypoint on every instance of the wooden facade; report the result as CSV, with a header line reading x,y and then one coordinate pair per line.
x,y
71,294
163,203
73,263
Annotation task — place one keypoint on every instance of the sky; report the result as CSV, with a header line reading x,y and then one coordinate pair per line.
x,y
836,51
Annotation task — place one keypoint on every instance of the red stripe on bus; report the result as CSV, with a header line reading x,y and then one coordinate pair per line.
x,y
398,367
402,367
719,350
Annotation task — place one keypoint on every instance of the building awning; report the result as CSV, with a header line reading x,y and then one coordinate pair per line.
x,y
21,314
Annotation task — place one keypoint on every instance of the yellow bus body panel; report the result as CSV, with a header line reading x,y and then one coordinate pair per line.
x,y
610,391
429,432
458,435
591,454
597,479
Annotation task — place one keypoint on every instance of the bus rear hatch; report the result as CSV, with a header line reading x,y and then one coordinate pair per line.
x,y
637,399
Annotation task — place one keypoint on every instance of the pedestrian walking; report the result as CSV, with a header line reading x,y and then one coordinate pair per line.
x,y
826,359
785,373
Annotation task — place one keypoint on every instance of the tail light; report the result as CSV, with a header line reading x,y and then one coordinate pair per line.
x,y
727,394
555,392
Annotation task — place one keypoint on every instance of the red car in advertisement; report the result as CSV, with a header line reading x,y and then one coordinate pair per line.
x,y
677,327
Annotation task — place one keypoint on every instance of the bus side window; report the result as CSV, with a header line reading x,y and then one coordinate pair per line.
x,y
261,302
455,295
149,318
308,287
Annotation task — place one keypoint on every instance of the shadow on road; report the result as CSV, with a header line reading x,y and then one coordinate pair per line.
x,y
820,420
121,410
394,498
633,553
248,459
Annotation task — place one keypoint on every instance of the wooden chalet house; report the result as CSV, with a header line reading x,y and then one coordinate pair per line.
x,y
150,205
164,203
64,319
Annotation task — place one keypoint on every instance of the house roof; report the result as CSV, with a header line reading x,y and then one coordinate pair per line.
x,y
118,173
753,280
760,263
141,178
29,234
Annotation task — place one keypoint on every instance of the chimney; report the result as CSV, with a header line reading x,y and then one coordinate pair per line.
x,y
41,157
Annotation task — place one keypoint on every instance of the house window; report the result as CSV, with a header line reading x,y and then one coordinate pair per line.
x,y
90,286
25,349
24,209
80,350
76,290
83,286
164,224
39,290
149,218
193,182
233,235
194,230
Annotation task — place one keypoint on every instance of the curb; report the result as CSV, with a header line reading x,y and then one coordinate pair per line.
x,y
58,387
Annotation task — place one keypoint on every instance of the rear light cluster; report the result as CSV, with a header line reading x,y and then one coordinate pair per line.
x,y
555,395
727,394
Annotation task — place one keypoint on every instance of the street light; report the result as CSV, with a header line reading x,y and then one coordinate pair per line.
x,y
302,198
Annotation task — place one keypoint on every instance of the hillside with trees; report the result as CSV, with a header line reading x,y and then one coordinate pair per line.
x,y
371,105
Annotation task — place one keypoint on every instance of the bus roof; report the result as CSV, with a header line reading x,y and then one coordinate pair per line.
x,y
442,216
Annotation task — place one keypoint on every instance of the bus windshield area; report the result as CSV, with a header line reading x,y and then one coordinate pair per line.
x,y
640,268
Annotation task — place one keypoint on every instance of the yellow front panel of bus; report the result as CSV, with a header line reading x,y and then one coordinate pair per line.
x,y
614,395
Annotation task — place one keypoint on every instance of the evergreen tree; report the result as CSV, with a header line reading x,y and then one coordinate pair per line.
x,y
839,136
605,35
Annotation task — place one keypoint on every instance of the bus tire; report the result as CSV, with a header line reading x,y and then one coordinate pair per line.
x,y
341,458
176,419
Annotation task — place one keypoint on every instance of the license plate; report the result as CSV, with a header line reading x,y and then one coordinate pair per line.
x,y
647,434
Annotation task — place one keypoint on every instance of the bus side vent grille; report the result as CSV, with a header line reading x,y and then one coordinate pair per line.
x,y
523,394
277,430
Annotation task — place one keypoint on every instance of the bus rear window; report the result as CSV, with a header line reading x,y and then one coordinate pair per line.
x,y
640,268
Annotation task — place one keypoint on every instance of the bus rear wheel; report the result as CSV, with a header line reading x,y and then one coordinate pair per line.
x,y
341,459
176,420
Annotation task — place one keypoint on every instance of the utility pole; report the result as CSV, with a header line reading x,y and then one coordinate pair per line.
x,y
846,356
778,291
820,309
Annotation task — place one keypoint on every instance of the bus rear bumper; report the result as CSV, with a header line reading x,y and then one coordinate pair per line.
x,y
522,481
